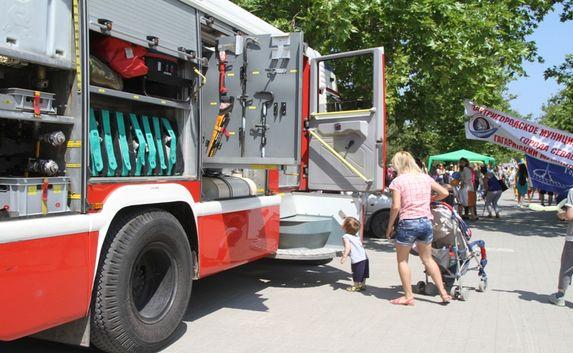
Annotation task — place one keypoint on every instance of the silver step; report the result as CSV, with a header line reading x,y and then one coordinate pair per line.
x,y
324,253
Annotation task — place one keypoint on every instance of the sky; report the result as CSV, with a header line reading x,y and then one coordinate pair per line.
x,y
554,40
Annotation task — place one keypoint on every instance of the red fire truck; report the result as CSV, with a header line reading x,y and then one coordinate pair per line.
x,y
145,144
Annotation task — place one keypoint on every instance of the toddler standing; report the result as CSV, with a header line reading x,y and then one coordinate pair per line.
x,y
358,259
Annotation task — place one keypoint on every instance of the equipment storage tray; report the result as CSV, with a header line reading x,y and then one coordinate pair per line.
x,y
20,99
37,31
24,196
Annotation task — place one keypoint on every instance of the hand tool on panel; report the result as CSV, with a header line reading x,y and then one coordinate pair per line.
x,y
220,128
244,98
267,99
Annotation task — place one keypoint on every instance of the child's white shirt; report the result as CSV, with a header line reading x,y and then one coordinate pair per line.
x,y
357,252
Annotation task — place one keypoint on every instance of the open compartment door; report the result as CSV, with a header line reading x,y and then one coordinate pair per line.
x,y
251,103
347,121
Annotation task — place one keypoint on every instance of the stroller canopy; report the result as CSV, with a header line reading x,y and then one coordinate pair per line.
x,y
456,155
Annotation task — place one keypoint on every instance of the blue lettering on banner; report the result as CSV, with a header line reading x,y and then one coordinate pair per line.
x,y
548,176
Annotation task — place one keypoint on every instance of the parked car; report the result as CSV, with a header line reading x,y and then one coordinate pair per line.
x,y
377,213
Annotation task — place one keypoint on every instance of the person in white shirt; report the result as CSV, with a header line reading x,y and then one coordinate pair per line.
x,y
358,259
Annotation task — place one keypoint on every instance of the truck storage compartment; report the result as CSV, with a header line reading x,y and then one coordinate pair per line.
x,y
128,67
226,187
33,196
134,143
251,104
32,149
37,31
141,112
168,26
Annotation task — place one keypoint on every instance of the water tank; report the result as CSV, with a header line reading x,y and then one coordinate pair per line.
x,y
227,187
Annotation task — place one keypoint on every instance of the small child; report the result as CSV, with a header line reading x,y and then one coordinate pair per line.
x,y
358,259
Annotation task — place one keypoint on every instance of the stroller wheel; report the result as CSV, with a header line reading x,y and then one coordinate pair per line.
x,y
431,289
464,294
454,292
421,287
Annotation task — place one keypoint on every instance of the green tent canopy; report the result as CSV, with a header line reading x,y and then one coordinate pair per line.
x,y
456,155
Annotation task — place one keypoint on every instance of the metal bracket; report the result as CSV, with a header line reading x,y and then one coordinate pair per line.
x,y
191,53
153,41
106,25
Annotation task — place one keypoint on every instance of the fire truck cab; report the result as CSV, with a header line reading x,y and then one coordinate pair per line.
x,y
145,144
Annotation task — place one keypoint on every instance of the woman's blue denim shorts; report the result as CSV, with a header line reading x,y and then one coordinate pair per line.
x,y
410,231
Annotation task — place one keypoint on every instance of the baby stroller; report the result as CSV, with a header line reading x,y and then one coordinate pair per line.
x,y
454,253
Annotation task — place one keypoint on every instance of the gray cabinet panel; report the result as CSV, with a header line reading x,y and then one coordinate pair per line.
x,y
357,136
274,65
173,22
38,31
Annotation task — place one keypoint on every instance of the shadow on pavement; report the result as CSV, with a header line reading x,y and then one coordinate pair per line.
x,y
31,345
532,297
239,288
521,222
379,245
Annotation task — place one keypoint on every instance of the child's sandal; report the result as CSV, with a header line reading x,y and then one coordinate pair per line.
x,y
353,289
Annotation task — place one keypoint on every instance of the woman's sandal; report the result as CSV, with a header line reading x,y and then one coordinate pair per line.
x,y
402,301
446,299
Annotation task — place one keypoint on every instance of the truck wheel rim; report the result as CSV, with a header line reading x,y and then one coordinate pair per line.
x,y
153,283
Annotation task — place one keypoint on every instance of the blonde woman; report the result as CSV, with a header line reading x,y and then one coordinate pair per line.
x,y
411,198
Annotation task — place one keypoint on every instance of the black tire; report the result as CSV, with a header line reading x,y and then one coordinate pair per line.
x,y
143,283
379,223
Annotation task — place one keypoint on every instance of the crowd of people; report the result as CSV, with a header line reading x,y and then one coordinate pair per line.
x,y
410,224
469,182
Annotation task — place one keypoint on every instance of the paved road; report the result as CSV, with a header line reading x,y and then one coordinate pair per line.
x,y
278,307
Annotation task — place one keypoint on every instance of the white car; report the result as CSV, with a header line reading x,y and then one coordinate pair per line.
x,y
377,213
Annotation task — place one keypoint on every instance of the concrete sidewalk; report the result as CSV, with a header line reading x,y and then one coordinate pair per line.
x,y
283,307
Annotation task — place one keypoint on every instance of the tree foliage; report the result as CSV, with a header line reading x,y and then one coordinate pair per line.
x,y
558,112
438,53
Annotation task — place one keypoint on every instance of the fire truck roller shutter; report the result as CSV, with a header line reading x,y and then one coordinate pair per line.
x,y
146,261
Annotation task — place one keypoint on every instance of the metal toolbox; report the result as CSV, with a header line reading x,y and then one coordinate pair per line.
x,y
23,196
23,100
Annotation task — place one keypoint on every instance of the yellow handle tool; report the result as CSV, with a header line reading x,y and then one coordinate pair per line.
x,y
215,135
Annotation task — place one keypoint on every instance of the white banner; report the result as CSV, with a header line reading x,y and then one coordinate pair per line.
x,y
533,139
